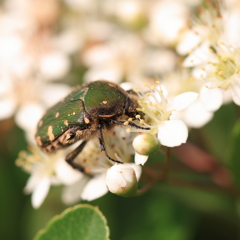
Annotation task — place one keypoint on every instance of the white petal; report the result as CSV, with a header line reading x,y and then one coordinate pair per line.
x,y
72,193
199,73
32,182
7,107
167,19
235,91
69,41
196,115
199,56
137,169
189,41
227,96
127,86
54,65
117,177
98,55
40,192
66,174
140,159
95,188
182,101
110,72
6,85
172,133
52,93
211,98
121,178
28,116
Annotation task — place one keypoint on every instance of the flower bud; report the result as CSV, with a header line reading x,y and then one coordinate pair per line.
x,y
121,180
146,144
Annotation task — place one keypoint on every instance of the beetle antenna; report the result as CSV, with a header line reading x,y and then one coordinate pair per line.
x,y
102,144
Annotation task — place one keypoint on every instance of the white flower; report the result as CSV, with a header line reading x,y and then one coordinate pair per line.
x,y
121,179
159,115
161,12
45,170
129,12
219,74
205,30
114,59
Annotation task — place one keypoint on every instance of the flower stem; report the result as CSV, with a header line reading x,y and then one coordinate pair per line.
x,y
153,176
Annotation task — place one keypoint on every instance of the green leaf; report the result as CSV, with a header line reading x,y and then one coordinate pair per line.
x,y
81,222
234,153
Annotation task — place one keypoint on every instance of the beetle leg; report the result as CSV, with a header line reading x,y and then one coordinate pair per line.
x,y
72,155
132,124
102,144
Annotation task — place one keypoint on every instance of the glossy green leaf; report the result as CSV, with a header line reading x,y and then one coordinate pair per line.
x,y
80,222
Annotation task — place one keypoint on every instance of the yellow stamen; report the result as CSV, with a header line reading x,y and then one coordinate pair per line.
x,y
128,130
136,90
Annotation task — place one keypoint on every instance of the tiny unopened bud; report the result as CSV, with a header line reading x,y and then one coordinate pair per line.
x,y
121,180
146,144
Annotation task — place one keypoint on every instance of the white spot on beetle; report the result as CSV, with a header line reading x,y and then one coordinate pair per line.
x,y
50,133
86,120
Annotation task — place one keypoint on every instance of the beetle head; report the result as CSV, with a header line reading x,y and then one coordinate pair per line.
x,y
131,107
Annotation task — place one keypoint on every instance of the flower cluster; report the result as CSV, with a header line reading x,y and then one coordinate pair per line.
x,y
47,170
46,46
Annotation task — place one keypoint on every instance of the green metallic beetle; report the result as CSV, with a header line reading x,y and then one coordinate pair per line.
x,y
83,115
